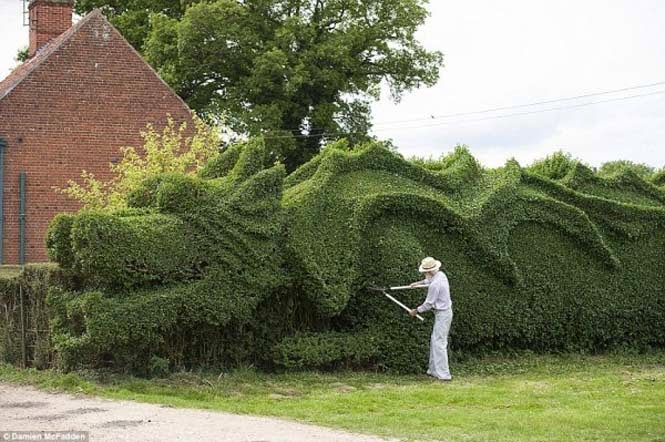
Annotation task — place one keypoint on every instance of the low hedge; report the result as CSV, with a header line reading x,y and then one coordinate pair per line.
x,y
241,265
25,293
327,350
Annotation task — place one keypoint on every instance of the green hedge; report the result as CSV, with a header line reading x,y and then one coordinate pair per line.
x,y
658,179
327,350
572,263
24,293
175,276
243,266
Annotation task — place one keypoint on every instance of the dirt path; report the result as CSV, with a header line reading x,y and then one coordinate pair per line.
x,y
25,408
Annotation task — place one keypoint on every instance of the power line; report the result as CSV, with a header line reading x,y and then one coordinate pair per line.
x,y
514,114
509,107
518,106
492,117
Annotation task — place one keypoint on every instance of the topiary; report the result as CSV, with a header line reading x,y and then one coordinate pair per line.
x,y
240,266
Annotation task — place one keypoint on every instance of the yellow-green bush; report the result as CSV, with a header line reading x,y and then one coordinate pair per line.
x,y
240,266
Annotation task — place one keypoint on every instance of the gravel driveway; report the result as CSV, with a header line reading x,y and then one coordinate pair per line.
x,y
24,408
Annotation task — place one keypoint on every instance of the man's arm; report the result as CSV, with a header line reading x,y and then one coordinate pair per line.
x,y
424,283
429,301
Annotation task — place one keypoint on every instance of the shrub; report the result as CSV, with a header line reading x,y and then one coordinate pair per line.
x,y
29,287
658,178
612,168
197,257
170,151
326,350
554,166
238,266
533,264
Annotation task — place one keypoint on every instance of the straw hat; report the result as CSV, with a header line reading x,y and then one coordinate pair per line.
x,y
429,264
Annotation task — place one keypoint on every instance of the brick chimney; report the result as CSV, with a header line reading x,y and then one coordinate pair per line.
x,y
48,19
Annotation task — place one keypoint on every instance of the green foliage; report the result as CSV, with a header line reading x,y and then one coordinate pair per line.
x,y
554,166
222,164
533,264
658,178
192,256
282,68
626,186
132,17
612,168
168,151
461,153
238,266
22,54
159,366
135,250
58,240
24,293
326,350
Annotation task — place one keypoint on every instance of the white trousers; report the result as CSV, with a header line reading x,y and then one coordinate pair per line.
x,y
438,348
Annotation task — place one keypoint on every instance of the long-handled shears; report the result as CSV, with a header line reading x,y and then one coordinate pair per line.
x,y
392,298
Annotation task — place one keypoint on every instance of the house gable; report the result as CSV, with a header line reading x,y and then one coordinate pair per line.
x,y
95,42
70,108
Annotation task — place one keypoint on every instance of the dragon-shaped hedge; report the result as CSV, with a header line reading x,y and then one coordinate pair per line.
x,y
245,265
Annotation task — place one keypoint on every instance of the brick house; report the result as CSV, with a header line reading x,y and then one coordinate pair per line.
x,y
83,94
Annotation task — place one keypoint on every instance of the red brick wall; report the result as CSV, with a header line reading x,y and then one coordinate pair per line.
x,y
48,19
73,112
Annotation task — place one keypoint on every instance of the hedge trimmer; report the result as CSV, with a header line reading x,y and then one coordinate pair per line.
x,y
392,298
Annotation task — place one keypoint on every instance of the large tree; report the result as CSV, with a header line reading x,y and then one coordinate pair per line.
x,y
300,71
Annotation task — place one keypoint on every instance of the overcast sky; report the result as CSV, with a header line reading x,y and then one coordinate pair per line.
x,y
512,52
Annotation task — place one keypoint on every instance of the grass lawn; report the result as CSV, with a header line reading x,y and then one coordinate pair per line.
x,y
522,398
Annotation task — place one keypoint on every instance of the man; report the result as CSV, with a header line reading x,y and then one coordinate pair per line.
x,y
438,299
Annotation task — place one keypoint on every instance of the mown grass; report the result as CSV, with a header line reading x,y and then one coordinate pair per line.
x,y
523,398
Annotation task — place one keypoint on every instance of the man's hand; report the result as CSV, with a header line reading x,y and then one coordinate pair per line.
x,y
413,313
415,284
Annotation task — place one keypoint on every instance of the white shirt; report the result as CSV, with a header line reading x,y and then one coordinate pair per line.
x,y
438,293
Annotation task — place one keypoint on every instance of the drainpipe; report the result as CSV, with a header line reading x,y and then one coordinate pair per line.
x,y
3,144
21,219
